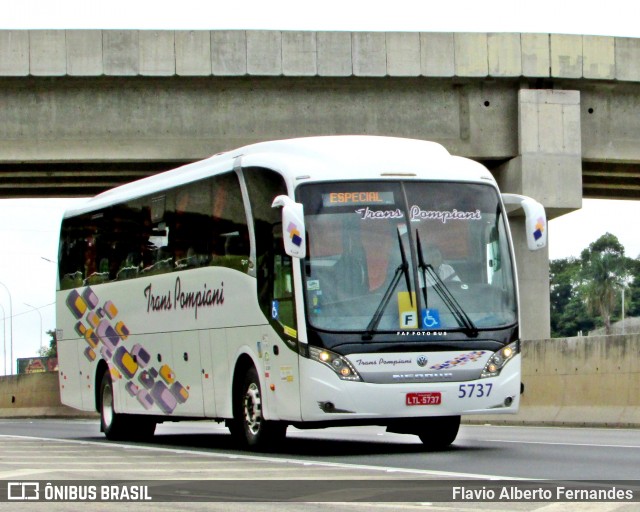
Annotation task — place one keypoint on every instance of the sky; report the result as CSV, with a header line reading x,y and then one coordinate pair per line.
x,y
614,17
29,228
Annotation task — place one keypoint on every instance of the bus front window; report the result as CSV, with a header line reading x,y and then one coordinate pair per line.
x,y
352,260
455,274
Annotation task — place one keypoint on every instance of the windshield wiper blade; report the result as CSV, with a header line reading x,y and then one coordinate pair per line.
x,y
422,265
444,293
454,306
403,268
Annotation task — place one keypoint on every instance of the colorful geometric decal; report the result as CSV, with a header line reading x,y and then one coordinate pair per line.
x,y
294,234
104,334
460,360
537,234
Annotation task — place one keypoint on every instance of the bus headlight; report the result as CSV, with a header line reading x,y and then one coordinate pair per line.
x,y
340,365
497,361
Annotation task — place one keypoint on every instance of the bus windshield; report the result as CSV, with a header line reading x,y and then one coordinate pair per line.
x,y
399,256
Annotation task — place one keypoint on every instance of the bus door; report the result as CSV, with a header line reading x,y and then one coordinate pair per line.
x,y
184,376
278,342
214,373
282,355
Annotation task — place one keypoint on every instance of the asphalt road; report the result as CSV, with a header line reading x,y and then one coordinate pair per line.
x,y
75,450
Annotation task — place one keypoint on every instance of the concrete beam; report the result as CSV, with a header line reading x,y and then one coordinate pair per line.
x,y
334,54
505,55
264,53
369,53
403,53
14,53
47,53
471,55
627,55
536,57
229,53
299,54
84,53
273,53
437,55
193,52
599,58
157,53
186,118
121,52
566,56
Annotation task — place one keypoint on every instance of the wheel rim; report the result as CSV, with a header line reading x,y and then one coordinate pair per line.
x,y
252,409
107,405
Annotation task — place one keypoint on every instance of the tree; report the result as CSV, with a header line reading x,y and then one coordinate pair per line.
x,y
632,297
586,292
52,349
569,314
604,269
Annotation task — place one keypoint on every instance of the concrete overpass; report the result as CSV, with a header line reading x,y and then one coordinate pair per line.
x,y
553,116
84,110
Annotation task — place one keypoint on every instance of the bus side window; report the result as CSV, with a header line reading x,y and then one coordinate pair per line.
x,y
229,235
84,258
72,260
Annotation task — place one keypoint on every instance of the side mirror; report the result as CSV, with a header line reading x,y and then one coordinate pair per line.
x,y
535,219
293,231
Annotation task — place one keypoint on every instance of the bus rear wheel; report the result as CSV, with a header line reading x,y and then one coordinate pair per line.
x,y
250,427
116,426
439,432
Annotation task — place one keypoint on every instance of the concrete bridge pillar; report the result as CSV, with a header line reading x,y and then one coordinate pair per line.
x,y
549,169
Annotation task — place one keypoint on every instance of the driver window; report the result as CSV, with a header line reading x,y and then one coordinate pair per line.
x,y
273,266
281,274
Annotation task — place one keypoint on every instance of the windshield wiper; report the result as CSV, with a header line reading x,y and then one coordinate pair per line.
x,y
444,293
403,268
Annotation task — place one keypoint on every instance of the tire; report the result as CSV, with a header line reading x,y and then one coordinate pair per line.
x,y
111,423
250,428
120,427
438,433
141,428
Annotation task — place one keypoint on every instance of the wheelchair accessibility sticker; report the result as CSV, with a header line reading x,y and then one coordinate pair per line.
x,y
431,319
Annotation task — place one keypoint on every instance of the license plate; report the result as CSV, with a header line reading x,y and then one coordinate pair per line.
x,y
431,398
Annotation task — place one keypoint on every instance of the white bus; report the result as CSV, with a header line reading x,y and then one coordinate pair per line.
x,y
314,282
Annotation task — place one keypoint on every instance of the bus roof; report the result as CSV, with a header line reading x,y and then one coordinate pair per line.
x,y
313,159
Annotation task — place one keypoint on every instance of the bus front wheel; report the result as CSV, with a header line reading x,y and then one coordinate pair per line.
x,y
439,432
250,427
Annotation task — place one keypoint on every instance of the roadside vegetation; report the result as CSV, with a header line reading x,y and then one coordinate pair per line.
x,y
587,293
